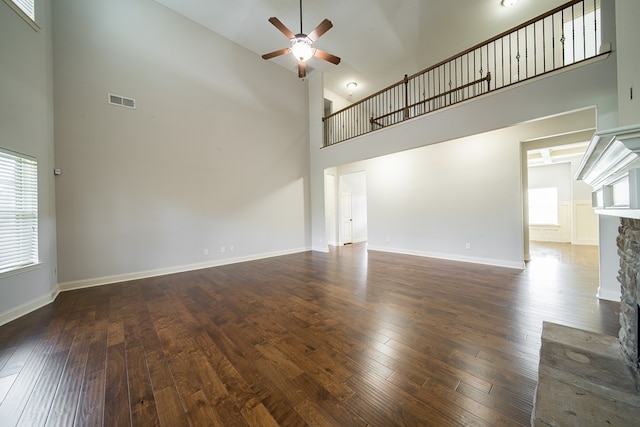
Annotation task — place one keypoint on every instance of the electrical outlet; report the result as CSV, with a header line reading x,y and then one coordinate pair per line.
x,y
222,249
467,246
206,251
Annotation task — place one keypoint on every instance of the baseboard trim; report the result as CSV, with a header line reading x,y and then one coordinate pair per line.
x,y
448,257
33,305
586,242
608,295
107,280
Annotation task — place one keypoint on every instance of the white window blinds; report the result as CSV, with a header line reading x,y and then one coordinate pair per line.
x,y
27,7
18,211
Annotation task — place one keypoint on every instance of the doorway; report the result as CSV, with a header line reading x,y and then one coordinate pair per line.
x,y
556,208
345,206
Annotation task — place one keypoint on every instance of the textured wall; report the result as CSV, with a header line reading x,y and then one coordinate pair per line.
x,y
629,277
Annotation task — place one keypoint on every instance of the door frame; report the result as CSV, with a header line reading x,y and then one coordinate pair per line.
x,y
344,240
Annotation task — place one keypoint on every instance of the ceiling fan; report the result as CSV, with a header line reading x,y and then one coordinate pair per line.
x,y
302,44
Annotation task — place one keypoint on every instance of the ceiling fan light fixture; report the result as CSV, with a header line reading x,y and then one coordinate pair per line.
x,y
301,48
301,44
509,3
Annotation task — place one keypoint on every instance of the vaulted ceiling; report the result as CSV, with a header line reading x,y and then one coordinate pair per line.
x,y
379,41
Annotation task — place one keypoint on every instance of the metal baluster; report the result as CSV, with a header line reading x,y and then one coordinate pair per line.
x,y
573,32
596,39
584,32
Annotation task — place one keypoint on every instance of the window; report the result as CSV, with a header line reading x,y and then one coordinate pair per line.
x,y
543,206
18,211
26,9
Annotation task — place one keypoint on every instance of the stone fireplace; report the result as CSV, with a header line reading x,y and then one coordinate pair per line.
x,y
628,242
587,379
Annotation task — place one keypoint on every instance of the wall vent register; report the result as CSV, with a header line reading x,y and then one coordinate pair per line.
x,y
122,101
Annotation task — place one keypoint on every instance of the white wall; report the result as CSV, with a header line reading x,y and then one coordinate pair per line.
x,y
488,197
331,203
627,17
433,200
338,102
215,155
609,288
26,126
554,175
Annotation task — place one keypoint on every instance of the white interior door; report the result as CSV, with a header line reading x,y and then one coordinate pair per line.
x,y
346,219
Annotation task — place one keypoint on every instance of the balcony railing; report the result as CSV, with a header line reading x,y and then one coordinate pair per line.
x,y
564,36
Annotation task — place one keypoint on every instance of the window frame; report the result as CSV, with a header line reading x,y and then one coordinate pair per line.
x,y
32,255
28,19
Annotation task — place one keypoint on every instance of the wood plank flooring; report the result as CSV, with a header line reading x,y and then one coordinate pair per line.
x,y
348,338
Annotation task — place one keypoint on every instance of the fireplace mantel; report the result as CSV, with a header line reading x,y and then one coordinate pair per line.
x,y
611,166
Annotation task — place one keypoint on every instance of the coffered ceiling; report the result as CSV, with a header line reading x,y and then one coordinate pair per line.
x,y
379,41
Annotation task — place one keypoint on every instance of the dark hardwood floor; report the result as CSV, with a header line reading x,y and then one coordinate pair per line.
x,y
347,338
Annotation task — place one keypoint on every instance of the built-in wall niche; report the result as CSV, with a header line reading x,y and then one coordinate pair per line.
x,y
623,193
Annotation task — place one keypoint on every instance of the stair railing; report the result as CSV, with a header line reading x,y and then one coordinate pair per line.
x,y
564,36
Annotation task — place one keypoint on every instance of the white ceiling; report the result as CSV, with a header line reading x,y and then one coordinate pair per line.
x,y
379,41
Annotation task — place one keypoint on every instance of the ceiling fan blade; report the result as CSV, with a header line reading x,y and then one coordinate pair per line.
x,y
322,28
302,69
275,53
283,28
327,56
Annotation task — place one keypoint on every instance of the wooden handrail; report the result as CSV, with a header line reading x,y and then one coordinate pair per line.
x,y
373,120
471,49
499,36
363,100
494,58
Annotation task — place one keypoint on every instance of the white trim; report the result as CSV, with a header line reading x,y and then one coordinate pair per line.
x,y
322,248
22,15
448,257
20,270
99,281
623,213
586,242
608,294
27,308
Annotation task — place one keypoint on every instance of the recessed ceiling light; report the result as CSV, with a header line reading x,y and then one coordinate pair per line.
x,y
509,3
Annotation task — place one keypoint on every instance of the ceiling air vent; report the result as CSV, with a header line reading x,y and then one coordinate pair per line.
x,y
122,101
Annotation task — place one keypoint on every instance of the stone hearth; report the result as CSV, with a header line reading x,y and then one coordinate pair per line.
x,y
583,381
587,379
